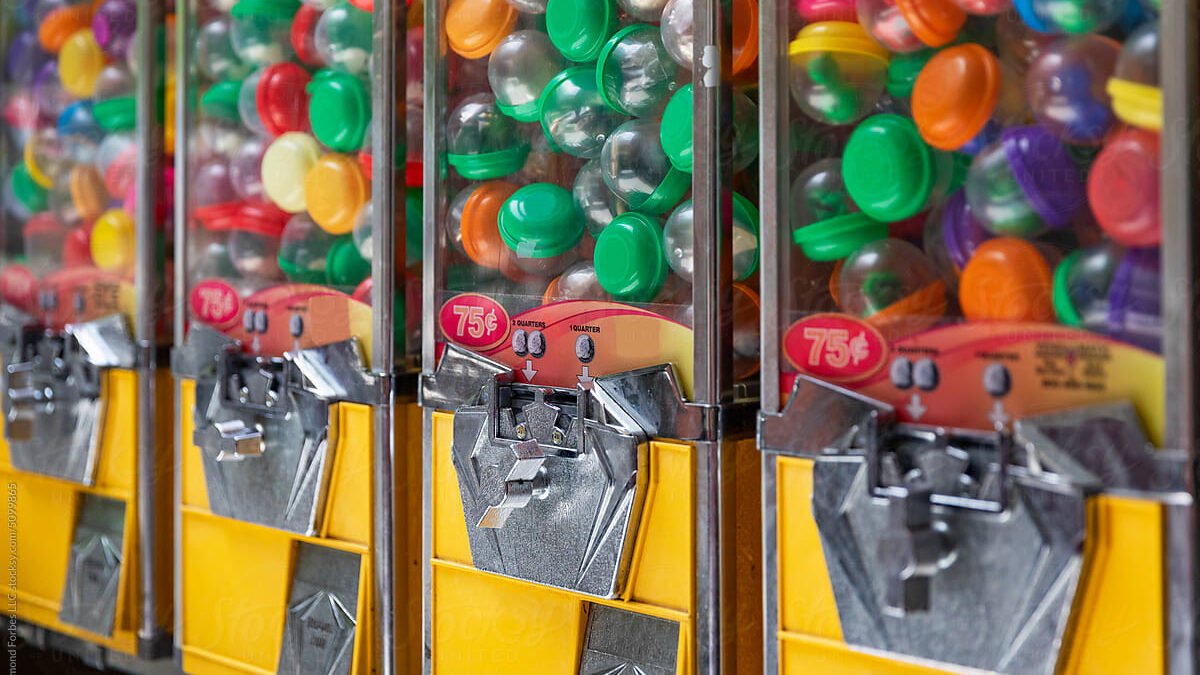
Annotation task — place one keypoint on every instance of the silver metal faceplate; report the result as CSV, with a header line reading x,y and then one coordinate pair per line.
x,y
551,486
89,598
52,395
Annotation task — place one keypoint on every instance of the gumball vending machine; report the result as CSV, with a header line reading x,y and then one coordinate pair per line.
x,y
591,339
84,317
978,392
291,308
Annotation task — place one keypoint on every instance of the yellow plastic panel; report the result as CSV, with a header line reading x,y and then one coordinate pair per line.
x,y
235,586
449,527
348,513
806,602
194,491
1118,618
118,439
489,625
45,520
806,655
662,567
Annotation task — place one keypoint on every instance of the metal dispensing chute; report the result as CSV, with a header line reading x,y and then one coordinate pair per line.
x,y
590,345
293,332
977,326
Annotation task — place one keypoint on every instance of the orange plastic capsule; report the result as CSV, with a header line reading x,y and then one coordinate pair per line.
x,y
1007,279
61,24
475,27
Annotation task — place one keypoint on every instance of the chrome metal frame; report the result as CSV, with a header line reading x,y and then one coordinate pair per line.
x,y
1180,73
714,386
148,292
388,117
186,12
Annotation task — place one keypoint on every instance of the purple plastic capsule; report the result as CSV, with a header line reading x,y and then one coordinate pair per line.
x,y
1135,300
114,26
25,59
961,231
1024,183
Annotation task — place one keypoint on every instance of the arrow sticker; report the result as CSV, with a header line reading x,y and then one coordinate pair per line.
x,y
585,378
915,409
528,370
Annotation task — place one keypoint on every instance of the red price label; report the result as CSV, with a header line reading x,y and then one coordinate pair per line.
x,y
474,321
835,347
216,303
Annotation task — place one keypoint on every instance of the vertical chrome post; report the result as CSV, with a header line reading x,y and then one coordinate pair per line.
x,y
185,13
148,293
435,200
1180,77
774,165
713,329
388,117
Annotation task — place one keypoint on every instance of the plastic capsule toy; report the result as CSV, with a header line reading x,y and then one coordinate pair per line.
x,y
117,160
1123,188
678,239
908,25
1024,184
1069,16
578,282
635,72
303,35
254,252
519,69
678,31
838,73
285,164
274,100
540,224
211,184
643,10
629,258
892,174
47,158
80,61
475,27
245,168
335,192
1017,44
473,228
79,131
574,115
902,73
818,194
677,137
1134,86
219,128
952,234
339,110
23,196
893,286
111,244
814,11
24,59
1007,279
215,56
1066,87
594,200
58,20
482,142
579,28
1113,292
343,38
260,31
637,170
303,249
114,26
963,97
48,93
114,105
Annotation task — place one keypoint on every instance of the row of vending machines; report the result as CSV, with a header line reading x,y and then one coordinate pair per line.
x,y
474,337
